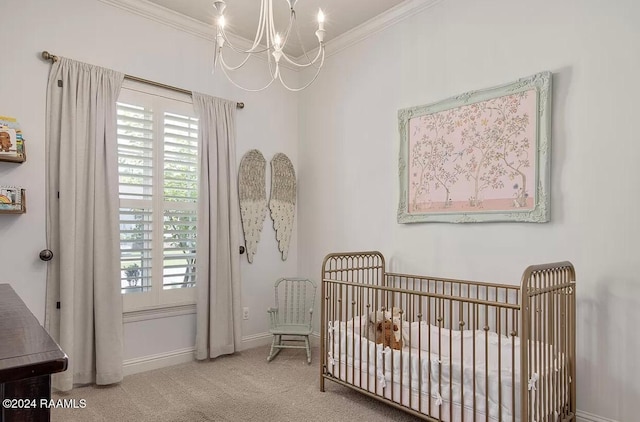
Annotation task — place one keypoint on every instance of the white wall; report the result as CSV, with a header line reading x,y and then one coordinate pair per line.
x,y
348,155
97,33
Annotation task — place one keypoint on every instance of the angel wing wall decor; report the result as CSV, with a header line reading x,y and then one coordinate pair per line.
x,y
282,202
253,198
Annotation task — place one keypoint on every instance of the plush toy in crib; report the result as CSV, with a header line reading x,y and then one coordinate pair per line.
x,y
386,334
376,317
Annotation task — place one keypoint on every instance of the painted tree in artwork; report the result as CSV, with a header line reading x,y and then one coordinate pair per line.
x,y
494,146
420,184
482,167
440,173
515,145
431,156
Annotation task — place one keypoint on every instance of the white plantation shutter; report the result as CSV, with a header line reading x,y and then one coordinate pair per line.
x,y
135,249
180,200
135,151
135,171
158,176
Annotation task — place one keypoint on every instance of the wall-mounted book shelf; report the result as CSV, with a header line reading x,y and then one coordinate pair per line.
x,y
15,207
21,157
12,159
12,150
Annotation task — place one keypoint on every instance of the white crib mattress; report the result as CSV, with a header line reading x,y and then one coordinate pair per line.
x,y
437,379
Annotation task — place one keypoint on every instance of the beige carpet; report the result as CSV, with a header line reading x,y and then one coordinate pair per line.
x,y
241,387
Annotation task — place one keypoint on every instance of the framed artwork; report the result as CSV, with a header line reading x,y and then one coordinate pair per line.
x,y
477,157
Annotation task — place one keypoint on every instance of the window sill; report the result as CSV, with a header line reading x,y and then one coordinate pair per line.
x,y
158,312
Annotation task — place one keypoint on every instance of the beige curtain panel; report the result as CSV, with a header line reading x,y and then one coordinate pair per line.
x,y
82,222
218,262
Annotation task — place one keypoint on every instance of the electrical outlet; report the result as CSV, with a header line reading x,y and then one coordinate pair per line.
x,y
245,313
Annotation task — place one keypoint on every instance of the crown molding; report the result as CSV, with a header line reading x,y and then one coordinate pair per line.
x,y
165,16
199,29
377,24
168,17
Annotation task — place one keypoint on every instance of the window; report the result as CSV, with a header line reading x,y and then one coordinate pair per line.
x,y
158,186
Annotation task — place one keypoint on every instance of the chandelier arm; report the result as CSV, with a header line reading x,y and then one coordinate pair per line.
x,y
224,70
292,18
311,62
267,24
272,72
240,50
225,65
309,83
260,29
271,23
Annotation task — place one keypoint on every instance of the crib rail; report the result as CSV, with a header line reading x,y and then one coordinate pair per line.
x,y
461,304
548,317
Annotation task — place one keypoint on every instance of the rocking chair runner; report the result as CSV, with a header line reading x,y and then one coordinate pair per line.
x,y
295,298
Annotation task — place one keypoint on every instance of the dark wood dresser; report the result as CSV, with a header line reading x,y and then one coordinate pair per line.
x,y
28,357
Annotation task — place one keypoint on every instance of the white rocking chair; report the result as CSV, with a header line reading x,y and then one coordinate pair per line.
x,y
291,317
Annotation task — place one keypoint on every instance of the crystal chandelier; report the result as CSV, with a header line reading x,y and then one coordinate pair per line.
x,y
267,42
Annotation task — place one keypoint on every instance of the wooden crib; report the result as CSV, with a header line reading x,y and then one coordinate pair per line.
x,y
471,351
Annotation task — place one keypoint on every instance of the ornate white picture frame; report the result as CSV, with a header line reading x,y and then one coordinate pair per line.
x,y
478,157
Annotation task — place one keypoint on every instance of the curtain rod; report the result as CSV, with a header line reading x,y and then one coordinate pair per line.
x,y
48,56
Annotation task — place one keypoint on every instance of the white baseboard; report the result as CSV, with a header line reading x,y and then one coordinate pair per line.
x,y
255,340
160,360
264,339
590,417
176,357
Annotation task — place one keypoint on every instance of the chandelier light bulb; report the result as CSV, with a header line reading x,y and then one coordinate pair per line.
x,y
320,20
221,22
278,42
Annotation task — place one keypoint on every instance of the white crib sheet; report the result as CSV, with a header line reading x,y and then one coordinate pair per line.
x,y
439,383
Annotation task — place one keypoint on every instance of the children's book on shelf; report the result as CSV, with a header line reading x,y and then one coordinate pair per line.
x,y
10,198
11,140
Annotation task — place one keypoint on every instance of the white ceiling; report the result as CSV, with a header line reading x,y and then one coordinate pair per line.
x,y
242,16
